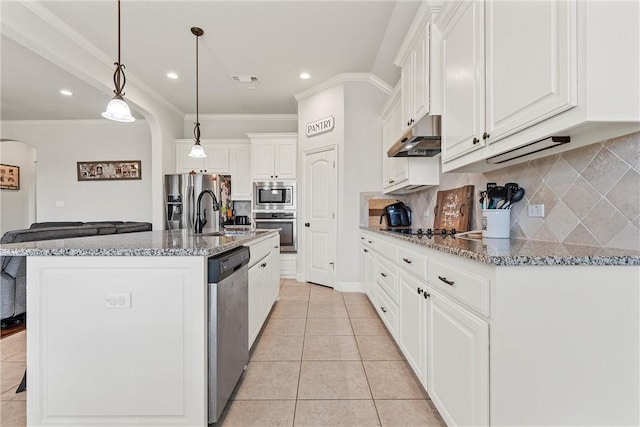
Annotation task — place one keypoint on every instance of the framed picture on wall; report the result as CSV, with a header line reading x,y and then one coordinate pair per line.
x,y
9,177
109,170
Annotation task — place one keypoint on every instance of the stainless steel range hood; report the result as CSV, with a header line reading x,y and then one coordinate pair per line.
x,y
422,140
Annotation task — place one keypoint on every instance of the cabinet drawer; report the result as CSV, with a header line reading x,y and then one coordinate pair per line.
x,y
386,278
412,262
368,240
387,250
464,286
388,311
258,251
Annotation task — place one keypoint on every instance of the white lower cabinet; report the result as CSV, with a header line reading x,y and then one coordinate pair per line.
x,y
367,271
264,283
413,324
458,362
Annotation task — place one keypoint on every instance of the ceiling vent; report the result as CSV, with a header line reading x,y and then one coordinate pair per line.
x,y
244,79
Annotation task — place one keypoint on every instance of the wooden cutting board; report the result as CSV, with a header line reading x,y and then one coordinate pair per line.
x,y
453,209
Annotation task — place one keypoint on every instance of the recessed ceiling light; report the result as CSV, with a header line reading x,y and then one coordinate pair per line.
x,y
305,76
66,92
172,76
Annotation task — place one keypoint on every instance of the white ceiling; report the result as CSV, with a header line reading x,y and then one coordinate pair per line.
x,y
274,40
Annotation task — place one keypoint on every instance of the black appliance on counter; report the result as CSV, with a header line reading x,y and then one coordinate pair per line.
x,y
397,214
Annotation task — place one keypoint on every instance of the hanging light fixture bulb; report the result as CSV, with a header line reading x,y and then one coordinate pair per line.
x,y
117,109
196,149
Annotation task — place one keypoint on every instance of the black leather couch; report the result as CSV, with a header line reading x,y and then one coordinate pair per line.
x,y
13,283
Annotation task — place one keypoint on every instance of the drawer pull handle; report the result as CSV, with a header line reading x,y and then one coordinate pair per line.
x,y
408,261
263,265
370,241
362,238
420,291
444,279
366,250
426,295
383,275
384,310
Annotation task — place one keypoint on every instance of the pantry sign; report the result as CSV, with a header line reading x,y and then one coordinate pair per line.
x,y
320,126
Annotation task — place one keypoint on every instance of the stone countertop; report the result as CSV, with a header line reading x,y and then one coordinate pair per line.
x,y
147,243
519,252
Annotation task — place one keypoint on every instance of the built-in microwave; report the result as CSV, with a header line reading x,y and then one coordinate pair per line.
x,y
274,195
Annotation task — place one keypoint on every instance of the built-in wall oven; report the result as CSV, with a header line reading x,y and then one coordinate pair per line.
x,y
274,196
285,221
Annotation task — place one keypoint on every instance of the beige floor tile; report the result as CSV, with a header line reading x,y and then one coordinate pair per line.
x,y
291,327
333,380
329,326
326,297
259,413
289,310
278,347
10,375
327,309
408,413
351,298
330,347
378,348
368,326
14,413
13,344
392,380
361,310
293,294
269,380
319,289
325,413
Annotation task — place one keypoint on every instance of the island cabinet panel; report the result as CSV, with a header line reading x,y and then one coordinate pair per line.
x,y
117,338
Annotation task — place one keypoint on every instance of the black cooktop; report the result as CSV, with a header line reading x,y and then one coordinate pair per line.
x,y
421,232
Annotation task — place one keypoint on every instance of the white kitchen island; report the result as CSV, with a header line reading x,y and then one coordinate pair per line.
x,y
117,327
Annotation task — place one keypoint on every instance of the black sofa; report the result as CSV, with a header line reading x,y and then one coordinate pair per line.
x,y
13,283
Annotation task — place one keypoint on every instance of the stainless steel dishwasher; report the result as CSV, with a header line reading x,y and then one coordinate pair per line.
x,y
227,324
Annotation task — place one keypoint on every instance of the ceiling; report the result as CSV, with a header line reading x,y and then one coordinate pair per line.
x,y
273,40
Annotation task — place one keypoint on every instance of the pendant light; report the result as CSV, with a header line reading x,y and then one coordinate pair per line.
x,y
196,149
117,109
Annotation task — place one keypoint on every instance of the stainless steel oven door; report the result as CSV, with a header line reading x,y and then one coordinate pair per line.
x,y
285,221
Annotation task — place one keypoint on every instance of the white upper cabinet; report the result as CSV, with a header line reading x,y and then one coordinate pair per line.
x,y
515,73
415,81
240,171
463,79
402,174
217,160
273,156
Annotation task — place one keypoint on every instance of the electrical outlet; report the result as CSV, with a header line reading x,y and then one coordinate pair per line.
x,y
122,300
536,211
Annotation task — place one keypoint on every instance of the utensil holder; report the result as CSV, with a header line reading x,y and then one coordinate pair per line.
x,y
496,223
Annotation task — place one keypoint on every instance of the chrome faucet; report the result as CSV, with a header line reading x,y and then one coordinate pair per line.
x,y
201,222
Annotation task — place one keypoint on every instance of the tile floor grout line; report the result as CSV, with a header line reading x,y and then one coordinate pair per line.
x,y
304,335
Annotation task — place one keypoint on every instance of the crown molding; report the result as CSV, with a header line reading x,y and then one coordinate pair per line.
x,y
23,36
346,77
74,121
244,117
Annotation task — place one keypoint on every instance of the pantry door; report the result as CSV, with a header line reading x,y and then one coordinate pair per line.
x,y
319,222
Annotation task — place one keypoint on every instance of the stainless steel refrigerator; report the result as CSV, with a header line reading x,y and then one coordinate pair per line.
x,y
181,193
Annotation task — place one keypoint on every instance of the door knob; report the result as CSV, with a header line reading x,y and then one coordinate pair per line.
x,y
306,224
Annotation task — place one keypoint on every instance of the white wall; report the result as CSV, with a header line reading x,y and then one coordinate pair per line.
x,y
17,207
358,136
60,144
239,125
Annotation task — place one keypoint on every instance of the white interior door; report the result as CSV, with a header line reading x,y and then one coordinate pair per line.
x,y
320,187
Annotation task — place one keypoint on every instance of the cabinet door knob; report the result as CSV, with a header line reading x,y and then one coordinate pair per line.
x,y
485,135
383,275
426,295
407,260
475,141
420,290
276,176
306,224
366,250
384,310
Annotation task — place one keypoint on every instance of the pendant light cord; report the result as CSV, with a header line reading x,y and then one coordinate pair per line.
x,y
196,129
118,75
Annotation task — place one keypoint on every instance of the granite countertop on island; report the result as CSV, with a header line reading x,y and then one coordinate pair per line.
x,y
519,252
148,243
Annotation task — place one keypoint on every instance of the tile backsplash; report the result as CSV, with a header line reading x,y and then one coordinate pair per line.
x,y
591,195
